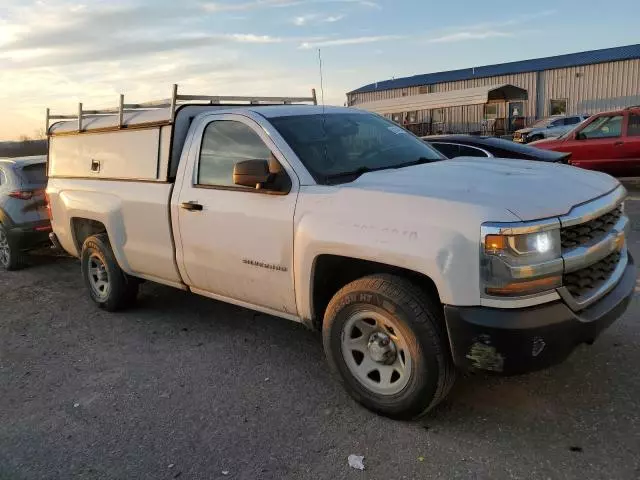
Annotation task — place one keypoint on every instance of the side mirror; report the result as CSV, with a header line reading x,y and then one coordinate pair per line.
x,y
251,173
580,136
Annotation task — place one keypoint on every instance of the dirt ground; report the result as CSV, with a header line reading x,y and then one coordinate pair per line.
x,y
186,387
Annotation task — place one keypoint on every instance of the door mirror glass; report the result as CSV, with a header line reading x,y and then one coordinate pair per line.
x,y
251,173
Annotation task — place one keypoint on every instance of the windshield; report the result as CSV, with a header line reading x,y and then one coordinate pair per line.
x,y
35,174
542,122
572,130
333,145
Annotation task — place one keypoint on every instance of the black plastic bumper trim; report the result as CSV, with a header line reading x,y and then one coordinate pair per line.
x,y
511,341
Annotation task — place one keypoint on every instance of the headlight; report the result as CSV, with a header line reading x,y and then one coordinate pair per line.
x,y
518,265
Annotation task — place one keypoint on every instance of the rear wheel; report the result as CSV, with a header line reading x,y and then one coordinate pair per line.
x,y
385,339
11,257
109,287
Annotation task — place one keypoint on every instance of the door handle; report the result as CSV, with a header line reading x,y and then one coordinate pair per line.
x,y
95,166
617,144
191,206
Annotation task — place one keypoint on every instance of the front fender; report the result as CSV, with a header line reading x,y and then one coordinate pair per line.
x,y
449,258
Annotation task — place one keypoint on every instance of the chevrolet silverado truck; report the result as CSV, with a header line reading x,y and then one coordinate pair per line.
x,y
413,266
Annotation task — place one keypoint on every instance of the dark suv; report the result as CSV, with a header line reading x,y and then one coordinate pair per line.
x,y
24,219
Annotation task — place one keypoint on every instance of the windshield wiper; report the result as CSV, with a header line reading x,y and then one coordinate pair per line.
x,y
363,169
419,161
352,173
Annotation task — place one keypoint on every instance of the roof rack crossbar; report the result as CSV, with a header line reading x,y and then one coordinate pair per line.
x,y
219,99
172,104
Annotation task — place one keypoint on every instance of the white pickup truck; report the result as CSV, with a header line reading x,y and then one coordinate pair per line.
x,y
412,266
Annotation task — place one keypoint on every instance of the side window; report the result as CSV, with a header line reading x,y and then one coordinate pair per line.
x,y
466,151
557,123
449,150
571,120
2,178
634,125
607,126
225,143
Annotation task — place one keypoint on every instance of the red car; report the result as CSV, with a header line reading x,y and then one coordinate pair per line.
x,y
608,142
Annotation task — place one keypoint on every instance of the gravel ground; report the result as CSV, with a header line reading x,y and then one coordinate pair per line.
x,y
186,387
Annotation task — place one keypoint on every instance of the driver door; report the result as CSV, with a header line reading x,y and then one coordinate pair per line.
x,y
596,146
236,243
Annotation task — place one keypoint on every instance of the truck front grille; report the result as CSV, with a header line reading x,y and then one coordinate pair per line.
x,y
593,230
583,283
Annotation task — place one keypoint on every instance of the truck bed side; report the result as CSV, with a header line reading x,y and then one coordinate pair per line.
x,y
136,219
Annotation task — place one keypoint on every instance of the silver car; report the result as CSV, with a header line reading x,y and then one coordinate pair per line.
x,y
549,127
24,218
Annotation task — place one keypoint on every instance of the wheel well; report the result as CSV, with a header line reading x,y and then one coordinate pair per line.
x,y
332,272
84,228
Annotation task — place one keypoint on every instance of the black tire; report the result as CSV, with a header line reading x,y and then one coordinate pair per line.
x,y
122,290
12,257
421,323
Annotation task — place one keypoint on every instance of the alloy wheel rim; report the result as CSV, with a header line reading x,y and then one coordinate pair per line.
x,y
376,352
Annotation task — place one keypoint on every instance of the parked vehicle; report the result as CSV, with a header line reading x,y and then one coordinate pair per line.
x,y
24,220
453,146
550,127
608,142
411,265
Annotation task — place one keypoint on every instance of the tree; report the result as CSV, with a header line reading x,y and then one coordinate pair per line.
x,y
40,134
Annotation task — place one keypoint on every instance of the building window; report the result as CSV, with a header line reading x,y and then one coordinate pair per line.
x,y
491,111
437,115
412,117
396,117
558,107
423,89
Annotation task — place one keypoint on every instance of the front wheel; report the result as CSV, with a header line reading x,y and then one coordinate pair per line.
x,y
109,287
385,339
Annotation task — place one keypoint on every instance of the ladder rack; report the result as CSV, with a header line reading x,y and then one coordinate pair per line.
x,y
173,102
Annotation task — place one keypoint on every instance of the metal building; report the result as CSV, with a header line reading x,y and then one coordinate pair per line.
x,y
496,99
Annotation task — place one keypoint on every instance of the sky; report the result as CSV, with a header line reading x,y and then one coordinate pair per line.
x,y
56,53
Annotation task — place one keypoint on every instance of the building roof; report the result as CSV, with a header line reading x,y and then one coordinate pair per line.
x,y
626,52
452,98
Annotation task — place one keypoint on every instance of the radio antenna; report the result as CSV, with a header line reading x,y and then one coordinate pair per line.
x,y
321,79
324,116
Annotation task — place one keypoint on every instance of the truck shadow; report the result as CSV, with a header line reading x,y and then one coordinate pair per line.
x,y
243,362
592,381
589,392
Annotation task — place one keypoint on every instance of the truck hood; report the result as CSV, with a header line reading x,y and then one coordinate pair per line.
x,y
530,190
